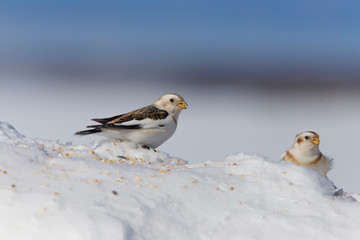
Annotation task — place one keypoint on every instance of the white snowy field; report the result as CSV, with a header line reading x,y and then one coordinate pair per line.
x,y
218,121
112,190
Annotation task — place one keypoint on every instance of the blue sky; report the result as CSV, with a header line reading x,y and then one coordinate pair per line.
x,y
320,30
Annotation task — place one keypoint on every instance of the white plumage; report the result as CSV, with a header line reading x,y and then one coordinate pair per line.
x,y
149,126
306,152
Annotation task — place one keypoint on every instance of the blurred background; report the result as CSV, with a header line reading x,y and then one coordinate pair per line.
x,y
254,73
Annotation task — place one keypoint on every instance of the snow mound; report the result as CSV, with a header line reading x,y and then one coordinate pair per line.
x,y
113,190
8,133
129,151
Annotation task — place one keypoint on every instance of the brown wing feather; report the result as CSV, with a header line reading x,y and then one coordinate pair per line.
x,y
139,114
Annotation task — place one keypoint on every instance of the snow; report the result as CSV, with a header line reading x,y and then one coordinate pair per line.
x,y
113,190
262,121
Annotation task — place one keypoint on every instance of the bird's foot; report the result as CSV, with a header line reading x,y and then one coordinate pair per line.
x,y
148,148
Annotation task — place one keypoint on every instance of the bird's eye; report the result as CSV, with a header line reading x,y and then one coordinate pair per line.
x,y
171,100
306,137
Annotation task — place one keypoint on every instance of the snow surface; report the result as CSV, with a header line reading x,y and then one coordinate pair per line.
x,y
112,190
261,121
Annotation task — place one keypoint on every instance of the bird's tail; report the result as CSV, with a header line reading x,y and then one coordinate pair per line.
x,y
87,132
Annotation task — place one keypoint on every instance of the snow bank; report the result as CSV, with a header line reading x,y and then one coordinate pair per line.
x,y
113,190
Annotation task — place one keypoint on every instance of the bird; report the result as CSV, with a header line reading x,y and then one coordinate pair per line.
x,y
305,152
148,127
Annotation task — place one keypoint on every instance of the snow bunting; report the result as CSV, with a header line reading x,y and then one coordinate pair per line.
x,y
149,126
306,152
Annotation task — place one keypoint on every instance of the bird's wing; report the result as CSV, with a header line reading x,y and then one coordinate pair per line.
x,y
330,162
132,119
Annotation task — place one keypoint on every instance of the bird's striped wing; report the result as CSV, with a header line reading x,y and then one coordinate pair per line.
x,y
150,112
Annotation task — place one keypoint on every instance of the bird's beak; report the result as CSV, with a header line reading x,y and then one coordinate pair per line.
x,y
182,105
316,141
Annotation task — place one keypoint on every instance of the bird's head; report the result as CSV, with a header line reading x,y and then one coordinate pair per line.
x,y
171,102
307,139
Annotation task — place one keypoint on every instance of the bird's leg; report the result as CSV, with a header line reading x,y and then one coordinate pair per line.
x,y
148,148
